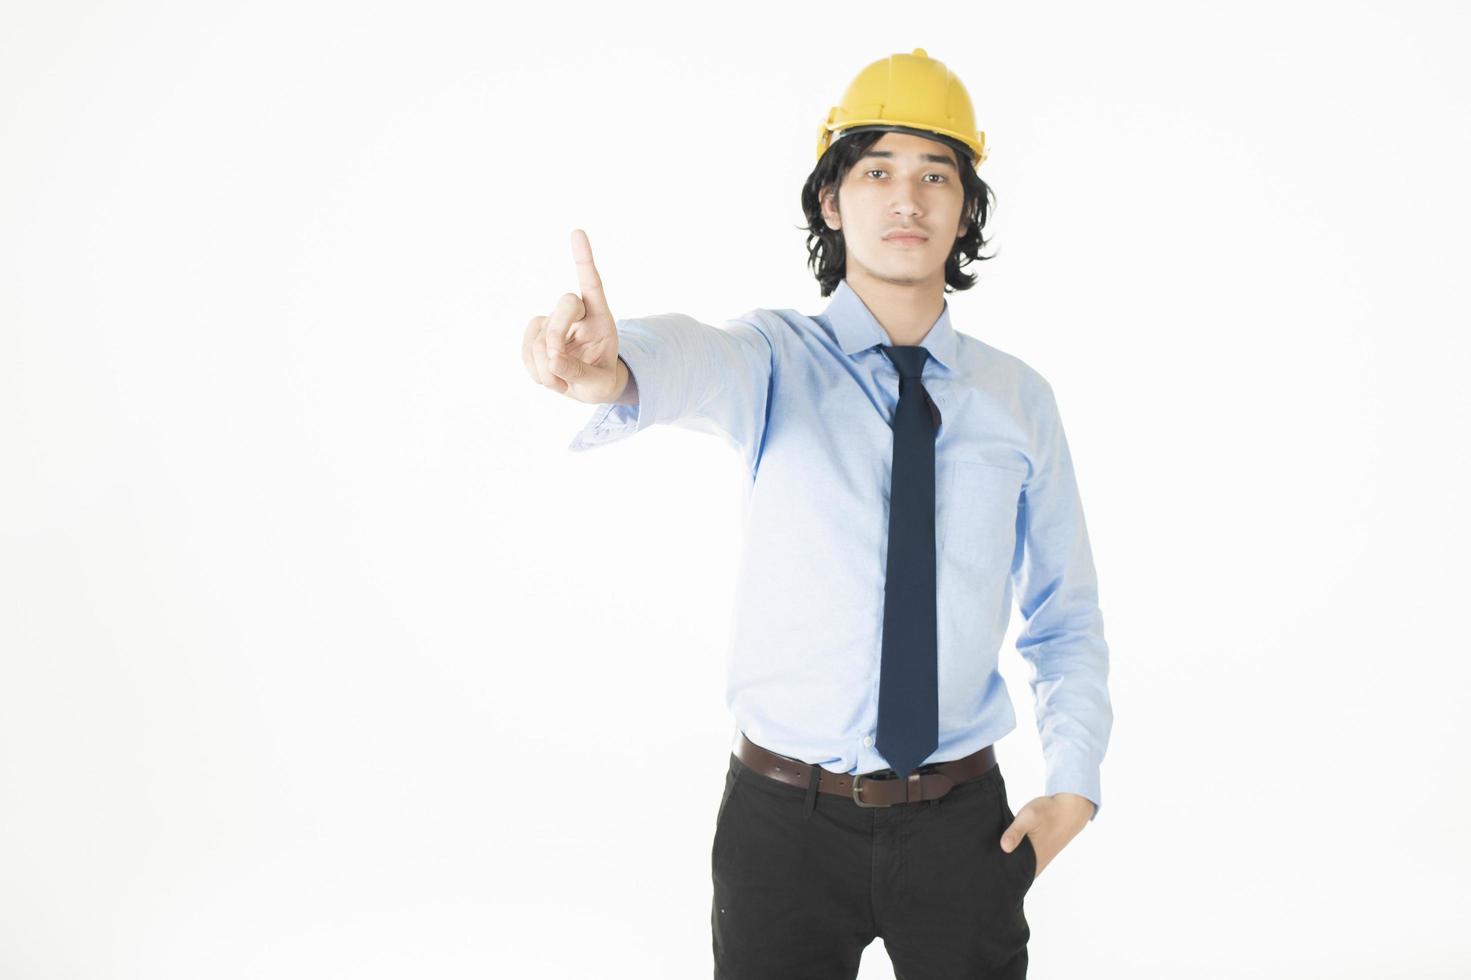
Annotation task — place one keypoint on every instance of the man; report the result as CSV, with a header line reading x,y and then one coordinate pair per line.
x,y
903,478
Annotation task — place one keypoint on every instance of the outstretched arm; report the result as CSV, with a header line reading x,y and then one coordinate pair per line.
x,y
690,374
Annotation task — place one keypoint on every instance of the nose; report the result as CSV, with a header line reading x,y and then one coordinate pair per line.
x,y
905,202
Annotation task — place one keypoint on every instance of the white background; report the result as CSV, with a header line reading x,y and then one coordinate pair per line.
x,y
324,657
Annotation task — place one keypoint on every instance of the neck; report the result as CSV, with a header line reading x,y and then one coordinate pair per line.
x,y
905,310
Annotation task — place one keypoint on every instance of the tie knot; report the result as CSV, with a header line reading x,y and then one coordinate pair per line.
x,y
909,360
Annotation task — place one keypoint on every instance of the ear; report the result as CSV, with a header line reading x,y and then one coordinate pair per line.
x,y
830,209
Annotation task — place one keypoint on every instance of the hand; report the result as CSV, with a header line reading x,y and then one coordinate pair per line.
x,y
574,351
1051,822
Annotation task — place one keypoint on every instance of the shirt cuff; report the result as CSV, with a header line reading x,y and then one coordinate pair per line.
x,y
1076,777
611,421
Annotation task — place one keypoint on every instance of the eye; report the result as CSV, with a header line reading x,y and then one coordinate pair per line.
x,y
879,170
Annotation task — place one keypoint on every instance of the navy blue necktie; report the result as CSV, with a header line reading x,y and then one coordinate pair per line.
x,y
909,698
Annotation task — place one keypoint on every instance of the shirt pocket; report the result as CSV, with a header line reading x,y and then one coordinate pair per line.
x,y
979,529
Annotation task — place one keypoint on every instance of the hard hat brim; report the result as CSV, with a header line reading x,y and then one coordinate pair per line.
x,y
975,155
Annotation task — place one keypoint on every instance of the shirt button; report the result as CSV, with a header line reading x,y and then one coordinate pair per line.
x,y
868,740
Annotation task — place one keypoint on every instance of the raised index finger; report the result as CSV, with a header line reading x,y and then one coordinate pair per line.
x,y
589,284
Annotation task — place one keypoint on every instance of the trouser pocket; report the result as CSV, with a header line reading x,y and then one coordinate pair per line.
x,y
1022,861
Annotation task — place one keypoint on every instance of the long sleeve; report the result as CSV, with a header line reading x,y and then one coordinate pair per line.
x,y
1057,592
690,374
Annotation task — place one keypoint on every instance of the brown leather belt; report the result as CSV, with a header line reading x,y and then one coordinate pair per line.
x,y
929,782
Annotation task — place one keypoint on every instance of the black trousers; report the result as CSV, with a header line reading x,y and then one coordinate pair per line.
x,y
804,881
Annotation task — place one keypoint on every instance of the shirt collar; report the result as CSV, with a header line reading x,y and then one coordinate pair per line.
x,y
858,330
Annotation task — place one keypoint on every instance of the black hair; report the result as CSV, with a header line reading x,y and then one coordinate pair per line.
x,y
825,253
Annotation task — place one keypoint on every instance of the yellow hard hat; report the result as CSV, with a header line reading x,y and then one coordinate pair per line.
x,y
906,92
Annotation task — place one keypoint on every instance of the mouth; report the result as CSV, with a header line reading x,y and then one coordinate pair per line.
x,y
906,239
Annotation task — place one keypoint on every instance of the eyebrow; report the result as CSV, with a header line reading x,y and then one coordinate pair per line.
x,y
930,157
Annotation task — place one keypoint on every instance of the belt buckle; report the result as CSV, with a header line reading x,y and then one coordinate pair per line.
x,y
856,779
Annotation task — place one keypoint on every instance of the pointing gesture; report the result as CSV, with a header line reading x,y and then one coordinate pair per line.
x,y
575,350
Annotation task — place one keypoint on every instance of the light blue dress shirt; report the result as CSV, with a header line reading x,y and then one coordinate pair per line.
x,y
807,401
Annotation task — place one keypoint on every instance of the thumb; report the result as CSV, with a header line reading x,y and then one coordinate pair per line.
x,y
571,369
564,367
1011,838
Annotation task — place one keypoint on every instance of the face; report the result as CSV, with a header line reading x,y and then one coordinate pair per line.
x,y
905,183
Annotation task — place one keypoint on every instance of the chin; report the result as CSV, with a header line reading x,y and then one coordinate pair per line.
x,y
906,277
